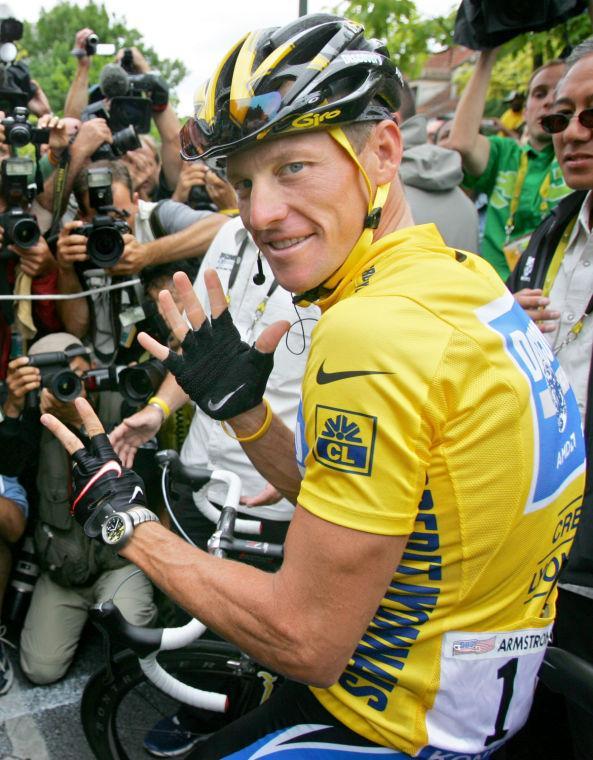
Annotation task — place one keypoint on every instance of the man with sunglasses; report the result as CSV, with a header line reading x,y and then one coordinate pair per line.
x,y
523,182
408,609
553,281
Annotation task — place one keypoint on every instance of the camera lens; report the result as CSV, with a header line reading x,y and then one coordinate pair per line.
x,y
19,135
65,385
25,233
105,247
125,140
137,384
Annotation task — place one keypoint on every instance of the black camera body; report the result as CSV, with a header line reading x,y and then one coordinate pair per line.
x,y
56,374
199,199
20,227
19,132
105,243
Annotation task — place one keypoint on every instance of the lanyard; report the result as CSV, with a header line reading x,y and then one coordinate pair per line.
x,y
557,259
261,307
519,181
551,275
235,269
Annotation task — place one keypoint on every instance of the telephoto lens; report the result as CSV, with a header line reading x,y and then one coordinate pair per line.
x,y
137,384
24,577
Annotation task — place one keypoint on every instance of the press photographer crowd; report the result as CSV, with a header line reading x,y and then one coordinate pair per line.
x,y
99,210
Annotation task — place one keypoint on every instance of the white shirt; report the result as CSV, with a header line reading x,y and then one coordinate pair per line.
x,y
207,444
570,295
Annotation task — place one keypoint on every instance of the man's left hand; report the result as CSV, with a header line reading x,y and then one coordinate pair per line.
x,y
37,260
101,484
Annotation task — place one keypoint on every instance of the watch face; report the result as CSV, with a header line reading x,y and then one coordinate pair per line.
x,y
114,529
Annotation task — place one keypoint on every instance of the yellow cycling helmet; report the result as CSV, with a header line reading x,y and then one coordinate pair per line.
x,y
317,72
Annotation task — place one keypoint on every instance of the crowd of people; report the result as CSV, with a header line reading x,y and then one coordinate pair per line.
x,y
420,447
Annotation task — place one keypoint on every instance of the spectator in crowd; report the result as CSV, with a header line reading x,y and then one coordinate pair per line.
x,y
161,232
431,176
254,305
14,508
554,283
523,183
512,120
75,572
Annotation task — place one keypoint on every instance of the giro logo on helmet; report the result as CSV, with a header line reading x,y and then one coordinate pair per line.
x,y
315,119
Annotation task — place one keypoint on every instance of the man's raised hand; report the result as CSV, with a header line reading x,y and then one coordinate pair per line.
x,y
220,372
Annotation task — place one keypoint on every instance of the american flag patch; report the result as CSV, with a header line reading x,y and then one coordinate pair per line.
x,y
474,646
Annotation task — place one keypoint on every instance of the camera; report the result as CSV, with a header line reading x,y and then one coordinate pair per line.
x,y
123,141
105,243
92,46
18,132
136,384
56,374
20,227
199,199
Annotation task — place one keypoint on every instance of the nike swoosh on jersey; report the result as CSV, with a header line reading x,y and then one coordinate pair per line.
x,y
137,490
214,407
324,377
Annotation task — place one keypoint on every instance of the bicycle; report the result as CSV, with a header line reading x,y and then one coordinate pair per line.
x,y
133,691
120,702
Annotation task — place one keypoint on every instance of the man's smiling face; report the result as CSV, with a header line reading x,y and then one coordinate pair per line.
x,y
304,202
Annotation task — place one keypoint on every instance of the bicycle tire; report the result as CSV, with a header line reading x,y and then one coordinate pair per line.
x,y
117,713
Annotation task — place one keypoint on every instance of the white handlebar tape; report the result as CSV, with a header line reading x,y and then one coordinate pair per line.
x,y
189,695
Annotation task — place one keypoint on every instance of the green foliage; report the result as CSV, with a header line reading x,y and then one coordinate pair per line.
x,y
410,38
46,47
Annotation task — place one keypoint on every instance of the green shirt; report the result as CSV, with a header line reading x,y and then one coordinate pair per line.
x,y
498,182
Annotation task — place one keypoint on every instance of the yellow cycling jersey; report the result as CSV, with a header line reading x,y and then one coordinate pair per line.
x,y
433,407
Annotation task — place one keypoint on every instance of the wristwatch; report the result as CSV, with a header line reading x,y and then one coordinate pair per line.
x,y
118,528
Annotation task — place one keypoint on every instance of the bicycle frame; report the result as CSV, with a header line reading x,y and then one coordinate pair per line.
x,y
146,643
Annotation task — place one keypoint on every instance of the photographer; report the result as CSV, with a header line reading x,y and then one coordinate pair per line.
x,y
77,97
14,508
167,124
523,182
74,574
159,233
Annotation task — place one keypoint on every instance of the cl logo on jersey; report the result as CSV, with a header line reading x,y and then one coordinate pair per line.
x,y
344,440
315,119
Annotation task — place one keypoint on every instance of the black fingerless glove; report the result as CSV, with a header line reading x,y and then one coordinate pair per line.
x,y
220,372
102,486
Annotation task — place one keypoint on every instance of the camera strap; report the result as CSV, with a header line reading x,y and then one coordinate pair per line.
x,y
60,175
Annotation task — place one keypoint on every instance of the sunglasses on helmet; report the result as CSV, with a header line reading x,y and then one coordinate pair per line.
x,y
557,122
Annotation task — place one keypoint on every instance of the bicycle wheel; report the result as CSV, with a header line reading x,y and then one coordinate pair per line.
x,y
117,713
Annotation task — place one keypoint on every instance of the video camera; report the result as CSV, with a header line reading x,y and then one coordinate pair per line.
x,y
132,97
15,83
56,374
92,46
105,243
18,131
20,227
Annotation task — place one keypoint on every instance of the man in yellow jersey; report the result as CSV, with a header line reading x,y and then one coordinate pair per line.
x,y
552,282
438,446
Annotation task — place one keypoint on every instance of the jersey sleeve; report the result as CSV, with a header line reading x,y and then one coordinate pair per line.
x,y
367,438
486,181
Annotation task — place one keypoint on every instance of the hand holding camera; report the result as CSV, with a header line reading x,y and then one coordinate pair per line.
x,y
36,260
21,378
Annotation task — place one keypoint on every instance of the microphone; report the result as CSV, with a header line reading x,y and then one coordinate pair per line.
x,y
113,81
259,277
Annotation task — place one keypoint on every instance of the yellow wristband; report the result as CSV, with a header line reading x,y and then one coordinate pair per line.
x,y
258,433
163,406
